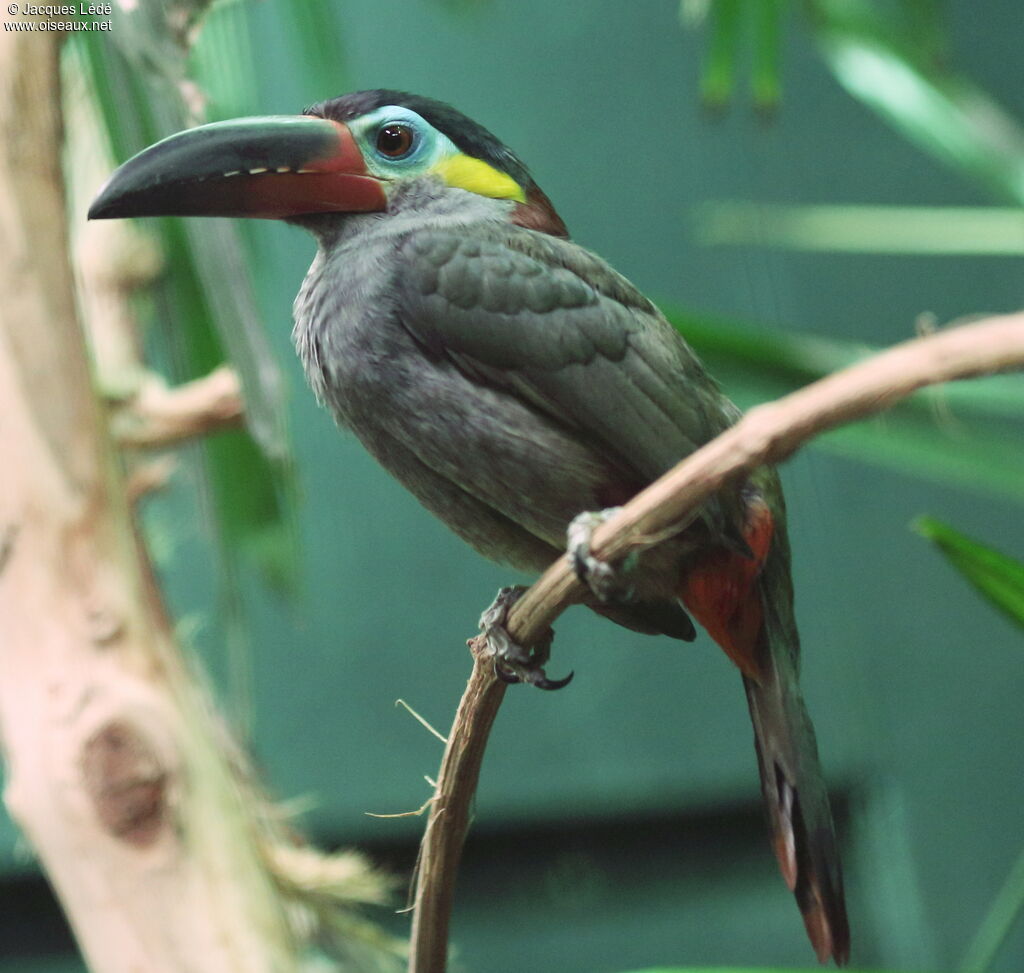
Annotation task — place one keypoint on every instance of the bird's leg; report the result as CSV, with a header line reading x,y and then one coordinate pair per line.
x,y
514,662
601,578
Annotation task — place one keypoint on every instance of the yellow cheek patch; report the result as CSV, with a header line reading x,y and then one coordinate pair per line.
x,y
476,176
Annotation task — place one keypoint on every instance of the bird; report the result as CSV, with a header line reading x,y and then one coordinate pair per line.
x,y
515,383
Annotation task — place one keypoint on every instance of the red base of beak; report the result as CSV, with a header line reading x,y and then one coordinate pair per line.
x,y
274,168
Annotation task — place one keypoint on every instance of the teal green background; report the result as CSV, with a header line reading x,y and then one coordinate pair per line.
x,y
618,823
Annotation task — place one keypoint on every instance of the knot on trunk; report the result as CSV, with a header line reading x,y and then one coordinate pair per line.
x,y
126,781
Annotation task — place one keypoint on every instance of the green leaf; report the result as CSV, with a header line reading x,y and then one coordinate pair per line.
x,y
1006,908
206,305
316,28
881,60
766,71
730,24
998,578
251,488
223,61
962,231
964,433
719,71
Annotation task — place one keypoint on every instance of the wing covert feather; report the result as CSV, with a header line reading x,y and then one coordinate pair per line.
x,y
556,324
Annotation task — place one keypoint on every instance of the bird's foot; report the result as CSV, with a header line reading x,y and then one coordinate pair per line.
x,y
514,662
599,576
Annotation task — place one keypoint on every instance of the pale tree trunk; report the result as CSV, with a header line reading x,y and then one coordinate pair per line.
x,y
117,770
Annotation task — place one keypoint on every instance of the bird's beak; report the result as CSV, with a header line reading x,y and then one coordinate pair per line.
x,y
272,167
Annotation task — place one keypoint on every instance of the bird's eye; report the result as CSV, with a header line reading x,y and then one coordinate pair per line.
x,y
395,140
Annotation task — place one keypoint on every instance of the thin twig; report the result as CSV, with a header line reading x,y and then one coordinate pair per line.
x,y
767,434
421,720
445,833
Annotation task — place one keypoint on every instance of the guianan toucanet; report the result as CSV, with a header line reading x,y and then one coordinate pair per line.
x,y
513,381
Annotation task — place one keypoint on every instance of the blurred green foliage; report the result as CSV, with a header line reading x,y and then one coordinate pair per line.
x,y
967,433
139,81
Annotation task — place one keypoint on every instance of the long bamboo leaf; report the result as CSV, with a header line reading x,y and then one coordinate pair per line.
x,y
890,68
898,230
996,576
965,433
1004,912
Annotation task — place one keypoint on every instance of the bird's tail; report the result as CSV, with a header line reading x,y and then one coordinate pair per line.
x,y
745,601
796,801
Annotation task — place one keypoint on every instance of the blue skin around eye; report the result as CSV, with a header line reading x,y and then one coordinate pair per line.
x,y
428,147
423,135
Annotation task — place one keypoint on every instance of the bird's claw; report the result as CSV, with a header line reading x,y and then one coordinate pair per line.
x,y
534,677
513,662
599,576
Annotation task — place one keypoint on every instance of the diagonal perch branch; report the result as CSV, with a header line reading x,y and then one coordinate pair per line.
x,y
769,433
